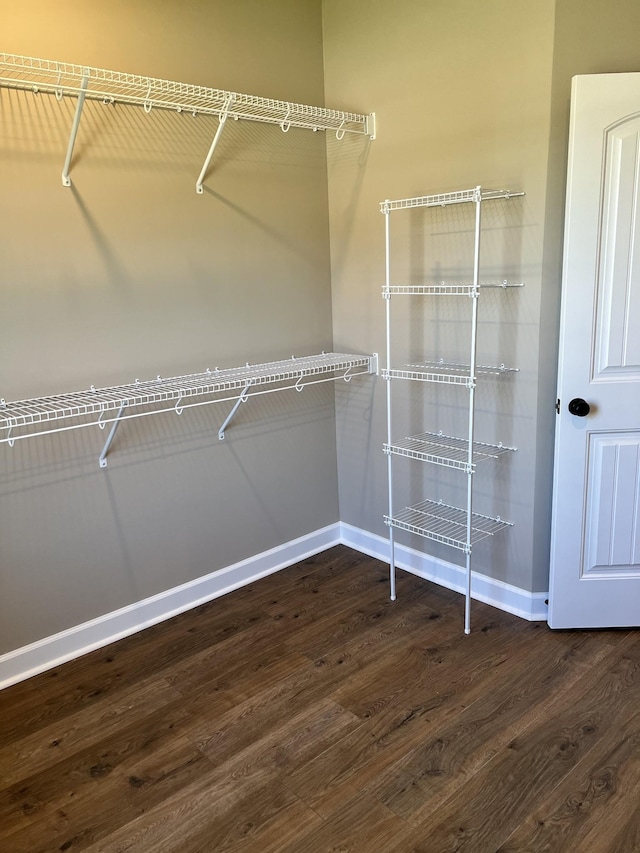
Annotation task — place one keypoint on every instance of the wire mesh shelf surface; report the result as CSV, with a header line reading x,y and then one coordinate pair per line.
x,y
452,368
447,450
463,368
175,390
445,373
444,199
441,376
441,288
446,524
64,78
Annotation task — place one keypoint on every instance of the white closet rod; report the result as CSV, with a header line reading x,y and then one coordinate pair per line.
x,y
63,78
75,410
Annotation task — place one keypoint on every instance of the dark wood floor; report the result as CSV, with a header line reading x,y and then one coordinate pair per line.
x,y
309,713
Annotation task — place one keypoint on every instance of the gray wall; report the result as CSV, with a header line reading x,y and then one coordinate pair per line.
x,y
465,93
131,274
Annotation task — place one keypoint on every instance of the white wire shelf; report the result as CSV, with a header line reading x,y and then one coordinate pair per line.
x,y
446,450
99,406
446,373
444,199
446,524
462,368
64,78
442,288
429,376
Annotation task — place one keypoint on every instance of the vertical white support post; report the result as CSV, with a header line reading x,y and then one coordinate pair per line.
x,y
66,180
387,279
224,112
472,376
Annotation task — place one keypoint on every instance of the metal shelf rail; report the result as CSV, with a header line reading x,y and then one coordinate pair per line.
x,y
100,406
453,526
64,78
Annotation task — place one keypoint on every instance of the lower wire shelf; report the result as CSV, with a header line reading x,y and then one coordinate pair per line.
x,y
446,524
100,406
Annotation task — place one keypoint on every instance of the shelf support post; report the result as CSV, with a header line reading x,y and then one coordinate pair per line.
x,y
472,384
224,114
102,459
66,180
387,281
241,399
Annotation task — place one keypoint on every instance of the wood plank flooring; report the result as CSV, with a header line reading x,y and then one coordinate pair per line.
x,y
307,712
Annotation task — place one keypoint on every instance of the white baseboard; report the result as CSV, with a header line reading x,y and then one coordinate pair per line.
x,y
52,651
512,599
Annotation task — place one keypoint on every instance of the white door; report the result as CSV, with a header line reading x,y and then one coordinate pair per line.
x,y
595,550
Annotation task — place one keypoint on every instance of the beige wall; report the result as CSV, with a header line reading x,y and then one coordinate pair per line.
x,y
461,92
591,37
465,93
131,274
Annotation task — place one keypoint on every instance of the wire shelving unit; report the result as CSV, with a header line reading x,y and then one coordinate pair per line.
x,y
64,79
101,406
457,527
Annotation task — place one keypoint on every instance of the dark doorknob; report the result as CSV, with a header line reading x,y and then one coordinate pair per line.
x,y
579,407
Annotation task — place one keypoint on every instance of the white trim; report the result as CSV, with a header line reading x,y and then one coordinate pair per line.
x,y
504,596
52,651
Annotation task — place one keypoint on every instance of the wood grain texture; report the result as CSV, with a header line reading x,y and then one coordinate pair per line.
x,y
307,712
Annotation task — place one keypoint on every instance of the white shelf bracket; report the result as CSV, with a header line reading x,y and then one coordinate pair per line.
x,y
224,114
66,180
241,399
373,364
102,459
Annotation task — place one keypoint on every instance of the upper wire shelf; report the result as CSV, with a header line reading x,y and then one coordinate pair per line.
x,y
443,288
447,450
99,406
444,199
447,524
110,87
64,78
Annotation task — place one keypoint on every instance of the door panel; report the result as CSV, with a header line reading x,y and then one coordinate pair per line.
x,y
595,551
617,344
613,486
